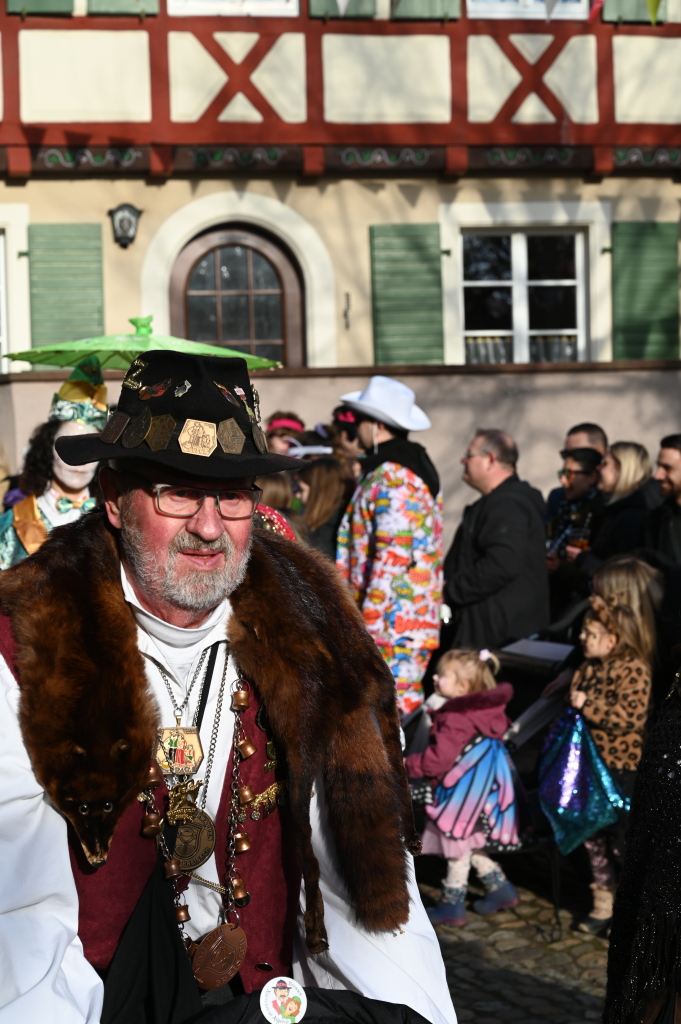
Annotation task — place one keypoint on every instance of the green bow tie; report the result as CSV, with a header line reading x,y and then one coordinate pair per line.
x,y
65,504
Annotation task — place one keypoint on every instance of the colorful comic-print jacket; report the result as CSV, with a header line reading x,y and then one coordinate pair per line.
x,y
390,551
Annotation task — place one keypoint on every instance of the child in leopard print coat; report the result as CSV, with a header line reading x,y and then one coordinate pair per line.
x,y
611,689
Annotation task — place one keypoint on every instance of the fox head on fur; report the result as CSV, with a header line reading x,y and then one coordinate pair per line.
x,y
93,787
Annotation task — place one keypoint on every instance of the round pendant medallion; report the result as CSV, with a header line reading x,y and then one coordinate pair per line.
x,y
219,956
195,840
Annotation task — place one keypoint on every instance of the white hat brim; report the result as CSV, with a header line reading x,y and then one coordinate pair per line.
x,y
416,421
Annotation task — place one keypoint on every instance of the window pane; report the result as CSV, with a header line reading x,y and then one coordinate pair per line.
x,y
202,321
271,351
489,350
488,309
552,308
233,268
487,257
238,346
235,318
267,313
550,257
264,274
203,275
553,348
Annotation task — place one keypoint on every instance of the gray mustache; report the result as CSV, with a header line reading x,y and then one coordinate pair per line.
x,y
190,542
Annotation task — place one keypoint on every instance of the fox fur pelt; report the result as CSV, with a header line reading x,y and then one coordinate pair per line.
x,y
89,720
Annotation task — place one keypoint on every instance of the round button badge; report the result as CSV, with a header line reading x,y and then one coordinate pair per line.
x,y
283,1000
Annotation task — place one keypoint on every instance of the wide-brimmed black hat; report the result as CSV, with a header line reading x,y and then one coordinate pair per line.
x,y
192,414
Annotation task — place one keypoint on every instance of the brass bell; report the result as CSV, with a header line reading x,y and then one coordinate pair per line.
x,y
240,893
152,824
246,748
182,914
154,778
246,794
241,700
241,842
172,869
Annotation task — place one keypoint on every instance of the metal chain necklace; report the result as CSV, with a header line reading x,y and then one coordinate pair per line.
x,y
195,840
179,750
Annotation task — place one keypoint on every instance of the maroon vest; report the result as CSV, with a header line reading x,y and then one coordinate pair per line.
x,y
108,894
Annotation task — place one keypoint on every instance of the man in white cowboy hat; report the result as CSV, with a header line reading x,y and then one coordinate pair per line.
x,y
390,540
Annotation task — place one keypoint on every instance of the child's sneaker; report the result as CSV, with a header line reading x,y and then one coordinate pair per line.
x,y
450,910
500,899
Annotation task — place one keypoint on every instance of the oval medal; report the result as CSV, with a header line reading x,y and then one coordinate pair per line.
x,y
219,956
137,430
195,840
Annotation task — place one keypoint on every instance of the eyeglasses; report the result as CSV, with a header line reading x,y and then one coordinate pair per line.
x,y
568,474
185,502
469,454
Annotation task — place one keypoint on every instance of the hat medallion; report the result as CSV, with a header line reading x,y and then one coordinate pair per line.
x,y
231,437
154,390
137,430
160,432
198,438
115,426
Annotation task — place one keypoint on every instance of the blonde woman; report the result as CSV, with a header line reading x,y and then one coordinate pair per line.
x,y
625,480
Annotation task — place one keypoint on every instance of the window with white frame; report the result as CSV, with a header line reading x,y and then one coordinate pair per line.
x,y
577,10
523,296
234,8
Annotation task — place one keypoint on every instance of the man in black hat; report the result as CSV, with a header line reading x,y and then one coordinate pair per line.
x,y
184,702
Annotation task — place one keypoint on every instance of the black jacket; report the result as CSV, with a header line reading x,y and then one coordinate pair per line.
x,y
495,571
620,526
662,531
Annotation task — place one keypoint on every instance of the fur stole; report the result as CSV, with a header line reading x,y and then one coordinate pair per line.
x,y
89,719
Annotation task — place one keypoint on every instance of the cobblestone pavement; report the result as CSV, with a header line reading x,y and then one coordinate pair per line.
x,y
519,966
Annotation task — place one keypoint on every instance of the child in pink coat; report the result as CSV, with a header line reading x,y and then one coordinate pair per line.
x,y
467,703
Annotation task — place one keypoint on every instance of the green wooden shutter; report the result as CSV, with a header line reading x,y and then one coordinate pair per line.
x,y
632,10
40,6
426,9
67,300
406,283
645,276
122,7
330,9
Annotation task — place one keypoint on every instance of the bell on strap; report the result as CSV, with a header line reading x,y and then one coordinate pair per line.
x,y
154,778
246,747
182,914
152,824
246,794
241,700
240,893
242,842
172,869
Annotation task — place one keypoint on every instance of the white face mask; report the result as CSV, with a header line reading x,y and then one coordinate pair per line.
x,y
72,478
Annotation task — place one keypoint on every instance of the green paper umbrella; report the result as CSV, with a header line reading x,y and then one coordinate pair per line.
x,y
117,351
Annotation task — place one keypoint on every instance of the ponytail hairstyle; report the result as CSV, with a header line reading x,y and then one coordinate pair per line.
x,y
478,667
620,621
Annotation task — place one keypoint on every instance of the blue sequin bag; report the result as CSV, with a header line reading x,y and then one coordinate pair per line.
x,y
576,791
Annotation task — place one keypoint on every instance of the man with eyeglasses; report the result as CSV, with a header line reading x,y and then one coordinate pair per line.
x,y
192,716
495,570
569,531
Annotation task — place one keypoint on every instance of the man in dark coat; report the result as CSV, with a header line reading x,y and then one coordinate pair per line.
x,y
662,526
495,572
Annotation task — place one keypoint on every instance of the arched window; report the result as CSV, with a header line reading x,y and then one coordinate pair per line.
x,y
234,288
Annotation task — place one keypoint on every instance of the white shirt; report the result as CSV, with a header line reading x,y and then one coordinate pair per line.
x,y
43,973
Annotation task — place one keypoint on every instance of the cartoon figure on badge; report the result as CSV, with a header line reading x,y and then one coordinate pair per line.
x,y
292,1008
281,994
283,1000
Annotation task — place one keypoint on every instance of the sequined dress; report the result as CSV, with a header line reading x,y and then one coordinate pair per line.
x,y
645,941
